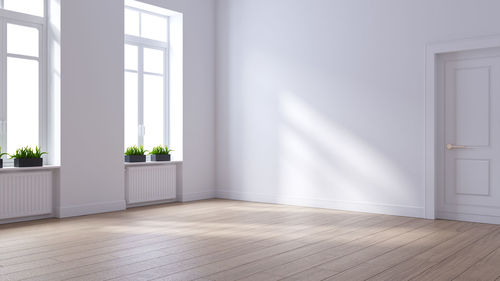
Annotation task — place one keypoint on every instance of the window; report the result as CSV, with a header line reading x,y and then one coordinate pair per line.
x,y
22,74
146,80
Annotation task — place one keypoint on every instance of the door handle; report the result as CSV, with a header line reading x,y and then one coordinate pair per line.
x,y
452,146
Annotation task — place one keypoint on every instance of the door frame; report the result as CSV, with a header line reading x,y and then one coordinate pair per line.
x,y
431,114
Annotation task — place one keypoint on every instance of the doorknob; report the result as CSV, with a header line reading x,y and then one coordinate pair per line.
x,y
451,146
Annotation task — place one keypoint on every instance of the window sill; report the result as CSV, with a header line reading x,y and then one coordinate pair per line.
x,y
16,169
152,163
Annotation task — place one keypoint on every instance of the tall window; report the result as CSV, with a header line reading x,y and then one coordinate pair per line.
x,y
22,74
146,69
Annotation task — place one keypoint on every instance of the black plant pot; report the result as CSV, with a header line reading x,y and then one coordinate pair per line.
x,y
160,157
135,158
28,162
1,163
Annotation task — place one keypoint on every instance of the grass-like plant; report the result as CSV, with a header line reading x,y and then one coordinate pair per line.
x,y
27,153
2,153
160,150
135,150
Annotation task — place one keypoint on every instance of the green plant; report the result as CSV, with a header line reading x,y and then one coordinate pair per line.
x,y
27,153
160,150
135,150
2,154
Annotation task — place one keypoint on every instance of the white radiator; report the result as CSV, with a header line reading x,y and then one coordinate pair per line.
x,y
150,183
25,194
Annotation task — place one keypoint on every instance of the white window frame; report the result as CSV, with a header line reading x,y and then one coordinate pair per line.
x,y
40,23
142,43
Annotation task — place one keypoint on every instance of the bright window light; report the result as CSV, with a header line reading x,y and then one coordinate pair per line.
x,y
22,103
131,57
146,91
22,40
154,27
153,60
153,110
31,7
132,25
23,65
131,108
149,8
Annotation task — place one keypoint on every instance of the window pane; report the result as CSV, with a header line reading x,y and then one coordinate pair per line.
x,y
154,27
153,60
131,22
131,109
153,110
32,7
22,40
131,57
22,103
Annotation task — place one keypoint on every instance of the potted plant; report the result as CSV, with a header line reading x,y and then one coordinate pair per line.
x,y
160,153
1,155
135,154
27,157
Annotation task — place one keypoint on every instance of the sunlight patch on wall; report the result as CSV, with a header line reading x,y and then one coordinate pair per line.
x,y
320,159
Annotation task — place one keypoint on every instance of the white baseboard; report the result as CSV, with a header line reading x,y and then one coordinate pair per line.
x,y
161,202
407,211
468,217
197,196
88,209
23,219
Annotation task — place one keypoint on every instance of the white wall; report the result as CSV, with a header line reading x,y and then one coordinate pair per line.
x,y
92,169
199,95
321,103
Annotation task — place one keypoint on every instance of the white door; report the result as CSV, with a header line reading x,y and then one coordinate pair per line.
x,y
469,141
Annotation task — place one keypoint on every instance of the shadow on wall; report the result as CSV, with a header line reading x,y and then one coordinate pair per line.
x,y
320,160
293,134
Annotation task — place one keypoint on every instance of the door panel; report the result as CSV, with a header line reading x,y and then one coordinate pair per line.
x,y
470,146
472,103
472,177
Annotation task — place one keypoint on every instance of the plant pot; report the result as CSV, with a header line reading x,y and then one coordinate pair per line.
x,y
160,157
1,163
28,162
135,158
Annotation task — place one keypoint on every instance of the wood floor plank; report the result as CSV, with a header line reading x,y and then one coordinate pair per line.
x,y
106,270
484,270
458,263
64,253
168,250
66,228
227,240
391,258
341,234
361,241
279,243
290,260
408,269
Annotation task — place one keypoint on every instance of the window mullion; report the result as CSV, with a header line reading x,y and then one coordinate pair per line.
x,y
24,57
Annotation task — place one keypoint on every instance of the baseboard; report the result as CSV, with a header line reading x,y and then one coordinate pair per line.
x,y
468,217
197,196
135,205
407,211
88,209
24,219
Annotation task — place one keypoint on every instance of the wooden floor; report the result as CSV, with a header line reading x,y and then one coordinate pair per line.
x,y
232,240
